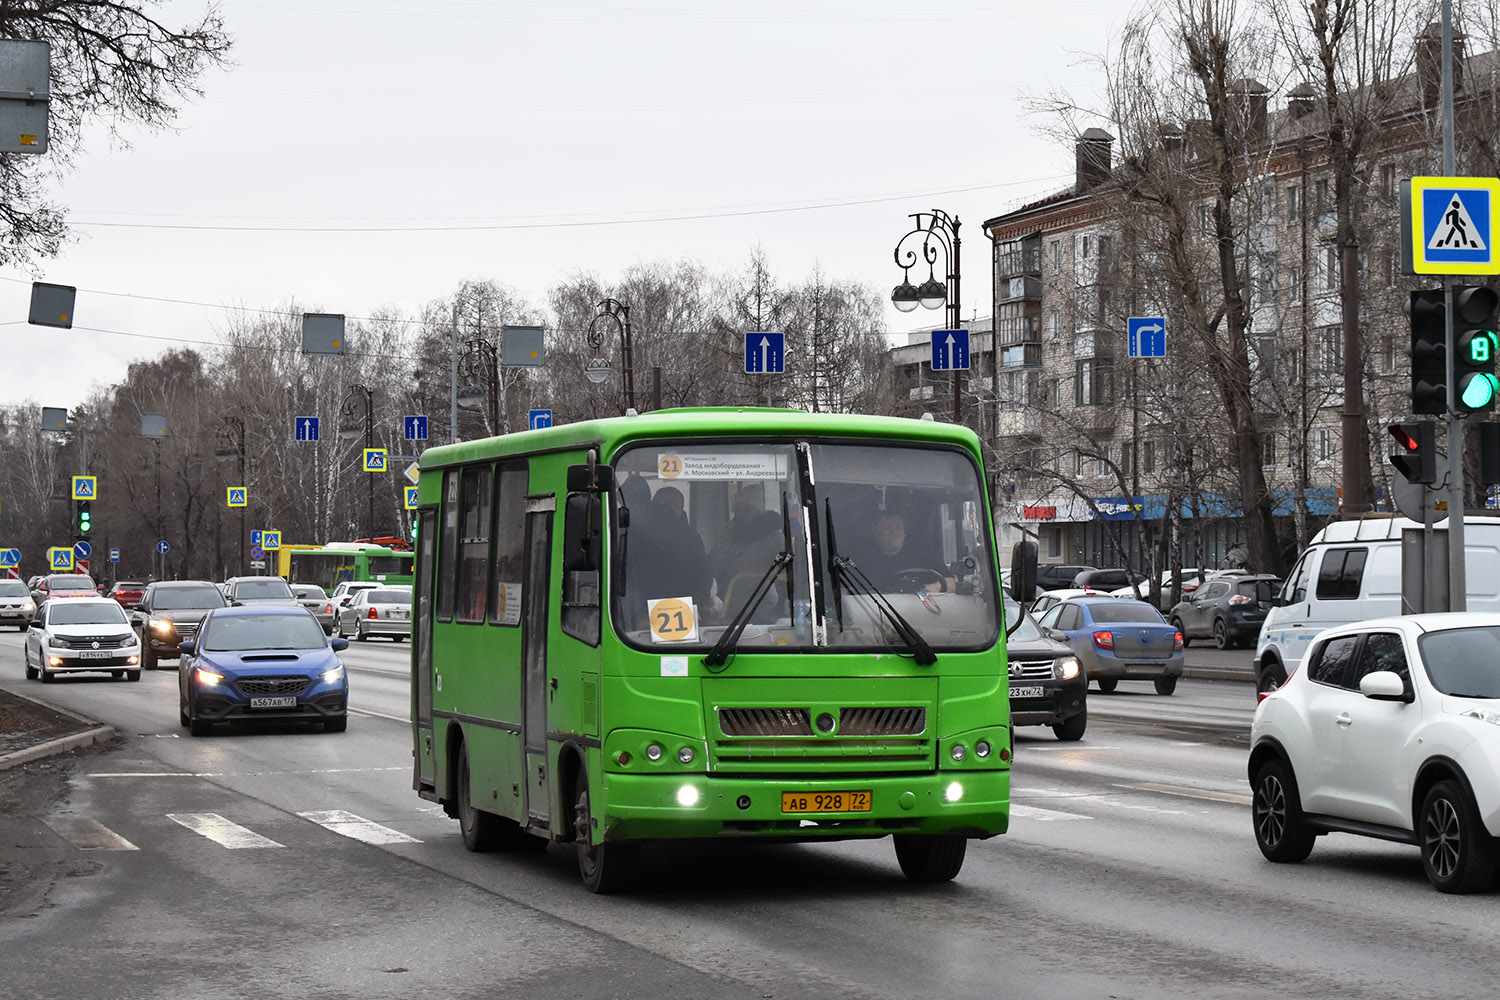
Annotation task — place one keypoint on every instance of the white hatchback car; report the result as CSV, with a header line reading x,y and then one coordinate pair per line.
x,y
82,633
1391,729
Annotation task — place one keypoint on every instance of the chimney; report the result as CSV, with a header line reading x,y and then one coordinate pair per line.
x,y
1302,100
1092,159
1429,58
1250,99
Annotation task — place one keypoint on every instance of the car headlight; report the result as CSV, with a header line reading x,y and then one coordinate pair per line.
x,y
161,626
1067,667
337,673
207,677
57,641
131,640
28,607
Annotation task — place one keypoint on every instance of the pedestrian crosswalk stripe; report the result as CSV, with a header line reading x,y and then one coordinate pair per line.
x,y
346,824
88,834
221,831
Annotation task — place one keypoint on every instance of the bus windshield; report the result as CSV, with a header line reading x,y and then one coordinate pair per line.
x,y
855,546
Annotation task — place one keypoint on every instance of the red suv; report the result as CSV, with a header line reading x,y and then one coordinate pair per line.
x,y
64,585
128,593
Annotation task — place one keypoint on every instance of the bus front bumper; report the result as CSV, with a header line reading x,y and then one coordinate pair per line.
x,y
968,803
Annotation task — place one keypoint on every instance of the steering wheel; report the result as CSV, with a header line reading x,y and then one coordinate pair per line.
x,y
919,576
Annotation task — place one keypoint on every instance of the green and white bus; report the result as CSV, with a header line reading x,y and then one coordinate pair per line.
x,y
331,564
692,624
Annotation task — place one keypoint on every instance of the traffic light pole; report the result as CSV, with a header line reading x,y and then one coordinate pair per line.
x,y
1458,581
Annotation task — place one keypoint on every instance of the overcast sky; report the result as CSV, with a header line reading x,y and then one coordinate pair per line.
x,y
375,153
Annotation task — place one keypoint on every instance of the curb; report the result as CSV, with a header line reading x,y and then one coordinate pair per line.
x,y
95,733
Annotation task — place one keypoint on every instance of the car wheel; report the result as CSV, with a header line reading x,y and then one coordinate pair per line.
x,y
398,638
1177,624
118,675
930,859
359,633
607,867
1165,685
30,670
336,725
1272,676
1457,852
1070,730
46,675
1221,635
149,659
134,675
182,716
1281,832
1107,684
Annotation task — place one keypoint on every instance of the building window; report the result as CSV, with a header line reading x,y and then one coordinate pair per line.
x,y
1268,451
1388,180
1054,323
1331,349
1294,283
1324,444
1102,462
1321,205
1293,365
1205,219
1392,268
1078,464
1330,269
1265,286
1127,450
1055,249
1294,204
1148,456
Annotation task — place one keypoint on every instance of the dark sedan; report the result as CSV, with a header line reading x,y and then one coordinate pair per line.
x,y
261,662
1047,684
1224,609
1119,639
168,613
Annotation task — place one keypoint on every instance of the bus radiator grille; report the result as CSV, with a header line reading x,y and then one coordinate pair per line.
x,y
882,721
765,722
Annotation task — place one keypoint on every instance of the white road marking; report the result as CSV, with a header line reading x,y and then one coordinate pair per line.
x,y
239,774
346,824
88,834
221,831
1192,793
1018,811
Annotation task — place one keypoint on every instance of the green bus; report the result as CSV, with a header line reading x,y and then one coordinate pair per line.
x,y
692,624
331,564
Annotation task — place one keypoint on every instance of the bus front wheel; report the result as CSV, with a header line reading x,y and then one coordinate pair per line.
x,y
605,868
930,859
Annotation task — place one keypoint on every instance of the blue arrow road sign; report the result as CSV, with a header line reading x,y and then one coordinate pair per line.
x,y
9,558
163,547
950,349
536,419
415,428
255,536
306,428
1148,336
82,549
765,353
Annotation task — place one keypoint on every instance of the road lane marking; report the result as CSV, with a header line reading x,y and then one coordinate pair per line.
x,y
346,824
380,715
1018,811
240,774
222,831
1192,793
88,834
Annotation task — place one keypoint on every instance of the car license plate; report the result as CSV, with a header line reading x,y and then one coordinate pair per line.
x,y
1036,691
285,702
825,802
399,613
95,654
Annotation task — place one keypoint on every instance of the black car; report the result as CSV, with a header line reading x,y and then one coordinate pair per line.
x,y
1106,579
169,612
1225,609
1047,683
1058,576
258,590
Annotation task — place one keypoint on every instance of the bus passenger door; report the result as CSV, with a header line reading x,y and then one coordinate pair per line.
x,y
540,512
421,653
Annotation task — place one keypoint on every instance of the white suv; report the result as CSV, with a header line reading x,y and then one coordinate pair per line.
x,y
1391,729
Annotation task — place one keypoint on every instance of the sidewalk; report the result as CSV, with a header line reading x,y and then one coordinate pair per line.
x,y
30,730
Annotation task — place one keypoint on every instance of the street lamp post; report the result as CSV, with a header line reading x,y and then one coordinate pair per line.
x,y
938,232
479,366
231,444
349,429
620,313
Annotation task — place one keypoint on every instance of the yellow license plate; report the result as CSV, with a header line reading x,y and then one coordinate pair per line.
x,y
825,802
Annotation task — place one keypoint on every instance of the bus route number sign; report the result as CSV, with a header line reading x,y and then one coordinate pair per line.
x,y
673,619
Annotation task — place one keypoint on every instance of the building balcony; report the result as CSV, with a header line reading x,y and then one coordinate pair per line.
x,y
1017,356
1013,423
1019,288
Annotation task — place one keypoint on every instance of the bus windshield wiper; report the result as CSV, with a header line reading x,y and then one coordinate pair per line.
x,y
720,653
856,581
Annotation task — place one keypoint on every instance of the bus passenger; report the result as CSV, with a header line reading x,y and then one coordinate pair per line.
x,y
746,547
668,553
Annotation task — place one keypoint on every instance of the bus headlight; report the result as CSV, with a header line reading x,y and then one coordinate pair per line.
x,y
954,792
687,796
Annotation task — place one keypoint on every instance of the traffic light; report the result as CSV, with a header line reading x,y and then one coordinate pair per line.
x,y
1476,348
1419,464
1429,365
84,516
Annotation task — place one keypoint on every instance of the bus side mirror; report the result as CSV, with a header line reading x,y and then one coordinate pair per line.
x,y
1023,571
593,478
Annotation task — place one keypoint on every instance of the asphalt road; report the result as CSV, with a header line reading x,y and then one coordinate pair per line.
x,y
1129,871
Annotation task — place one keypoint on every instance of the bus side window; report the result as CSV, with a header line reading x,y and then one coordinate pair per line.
x,y
582,519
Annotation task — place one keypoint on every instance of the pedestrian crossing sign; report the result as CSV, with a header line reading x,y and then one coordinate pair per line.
x,y
238,497
411,498
60,558
1448,225
85,487
374,459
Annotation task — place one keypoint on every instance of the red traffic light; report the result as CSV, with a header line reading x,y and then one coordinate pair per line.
x,y
1405,436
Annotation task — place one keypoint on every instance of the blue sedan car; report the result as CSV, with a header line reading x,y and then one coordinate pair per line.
x,y
1117,638
262,662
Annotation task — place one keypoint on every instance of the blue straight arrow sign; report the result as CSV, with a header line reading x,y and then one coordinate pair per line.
x,y
306,428
765,353
950,349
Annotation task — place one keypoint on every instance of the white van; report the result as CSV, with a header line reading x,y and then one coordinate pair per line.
x,y
1352,572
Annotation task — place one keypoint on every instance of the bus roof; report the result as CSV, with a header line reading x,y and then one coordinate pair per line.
x,y
611,432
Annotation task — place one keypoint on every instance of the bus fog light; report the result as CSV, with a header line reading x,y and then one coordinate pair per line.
x,y
687,795
653,752
685,755
982,748
954,792
957,752
622,758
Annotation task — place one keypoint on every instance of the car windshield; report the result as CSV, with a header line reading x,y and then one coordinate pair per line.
x,y
13,588
271,586
186,598
1118,612
1464,662
77,613
244,632
1026,628
70,583
387,597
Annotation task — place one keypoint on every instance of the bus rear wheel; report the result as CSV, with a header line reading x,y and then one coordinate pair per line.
x,y
605,868
930,859
480,830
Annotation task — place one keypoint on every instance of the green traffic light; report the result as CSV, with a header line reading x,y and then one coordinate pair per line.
x,y
1482,348
1479,390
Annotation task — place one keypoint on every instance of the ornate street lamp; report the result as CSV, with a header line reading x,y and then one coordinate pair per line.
x,y
935,234
349,428
620,313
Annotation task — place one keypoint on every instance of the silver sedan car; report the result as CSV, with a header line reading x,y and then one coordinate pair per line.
x,y
377,611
